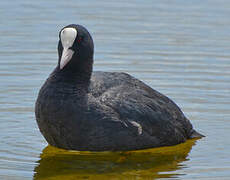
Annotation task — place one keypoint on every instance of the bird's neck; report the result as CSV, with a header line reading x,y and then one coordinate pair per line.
x,y
73,80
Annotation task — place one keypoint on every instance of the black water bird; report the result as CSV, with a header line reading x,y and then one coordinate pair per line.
x,y
82,110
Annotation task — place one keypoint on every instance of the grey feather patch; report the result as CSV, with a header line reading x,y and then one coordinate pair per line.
x,y
139,127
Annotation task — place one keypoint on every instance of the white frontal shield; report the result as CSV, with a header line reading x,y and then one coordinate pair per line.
x,y
68,36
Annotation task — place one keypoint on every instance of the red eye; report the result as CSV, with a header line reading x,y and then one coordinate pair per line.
x,y
79,39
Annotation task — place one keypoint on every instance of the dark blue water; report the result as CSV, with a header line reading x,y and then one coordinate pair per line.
x,y
180,48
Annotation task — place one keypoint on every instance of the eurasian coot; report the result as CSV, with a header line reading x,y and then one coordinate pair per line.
x,y
103,111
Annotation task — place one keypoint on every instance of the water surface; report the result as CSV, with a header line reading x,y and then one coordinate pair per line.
x,y
180,48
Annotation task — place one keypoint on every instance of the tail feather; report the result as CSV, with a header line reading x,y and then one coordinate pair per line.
x,y
195,134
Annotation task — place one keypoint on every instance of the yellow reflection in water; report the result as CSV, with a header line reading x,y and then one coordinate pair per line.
x,y
151,163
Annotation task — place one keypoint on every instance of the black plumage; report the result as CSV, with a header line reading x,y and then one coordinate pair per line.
x,y
105,111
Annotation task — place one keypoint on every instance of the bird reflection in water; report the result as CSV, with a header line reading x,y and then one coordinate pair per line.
x,y
161,162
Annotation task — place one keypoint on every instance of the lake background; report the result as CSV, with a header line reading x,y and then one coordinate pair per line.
x,y
180,48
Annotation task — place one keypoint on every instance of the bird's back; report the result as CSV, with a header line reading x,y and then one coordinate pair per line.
x,y
144,110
